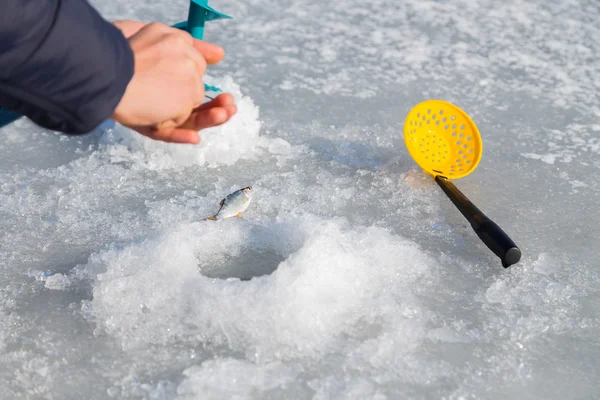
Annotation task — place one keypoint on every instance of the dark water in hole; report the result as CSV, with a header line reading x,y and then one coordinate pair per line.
x,y
249,263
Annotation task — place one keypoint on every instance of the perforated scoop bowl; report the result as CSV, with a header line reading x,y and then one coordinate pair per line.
x,y
442,139
445,142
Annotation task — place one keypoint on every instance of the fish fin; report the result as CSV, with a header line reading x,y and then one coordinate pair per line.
x,y
213,218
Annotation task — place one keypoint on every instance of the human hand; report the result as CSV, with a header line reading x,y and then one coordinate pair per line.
x,y
129,27
162,100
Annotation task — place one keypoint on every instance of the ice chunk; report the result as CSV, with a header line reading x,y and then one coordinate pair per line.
x,y
57,282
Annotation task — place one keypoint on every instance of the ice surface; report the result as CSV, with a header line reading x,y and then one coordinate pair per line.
x,y
350,276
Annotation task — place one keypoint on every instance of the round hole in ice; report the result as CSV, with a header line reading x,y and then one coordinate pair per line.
x,y
248,259
245,265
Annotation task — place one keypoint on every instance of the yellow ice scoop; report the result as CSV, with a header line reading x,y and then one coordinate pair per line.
x,y
445,142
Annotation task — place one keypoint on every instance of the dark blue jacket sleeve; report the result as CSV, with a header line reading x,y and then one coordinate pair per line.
x,y
61,64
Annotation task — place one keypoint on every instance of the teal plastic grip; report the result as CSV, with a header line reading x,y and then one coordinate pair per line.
x,y
199,13
196,19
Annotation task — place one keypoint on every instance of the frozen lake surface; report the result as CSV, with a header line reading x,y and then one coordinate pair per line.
x,y
351,275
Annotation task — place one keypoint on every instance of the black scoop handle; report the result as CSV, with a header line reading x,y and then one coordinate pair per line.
x,y
488,231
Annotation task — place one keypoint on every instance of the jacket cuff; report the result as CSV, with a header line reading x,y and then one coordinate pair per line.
x,y
77,74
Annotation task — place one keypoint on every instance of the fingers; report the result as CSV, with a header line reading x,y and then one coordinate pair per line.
x,y
207,118
213,113
196,78
221,100
174,135
211,52
188,132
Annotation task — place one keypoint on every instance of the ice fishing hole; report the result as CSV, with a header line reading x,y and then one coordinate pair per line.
x,y
247,264
258,256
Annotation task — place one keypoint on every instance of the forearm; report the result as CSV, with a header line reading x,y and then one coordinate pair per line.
x,y
61,64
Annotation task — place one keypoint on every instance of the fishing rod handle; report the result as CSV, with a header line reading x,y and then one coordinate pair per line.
x,y
488,231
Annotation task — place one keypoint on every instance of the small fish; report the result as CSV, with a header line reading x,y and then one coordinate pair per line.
x,y
234,204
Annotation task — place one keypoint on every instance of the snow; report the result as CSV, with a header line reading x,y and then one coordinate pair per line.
x,y
350,275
